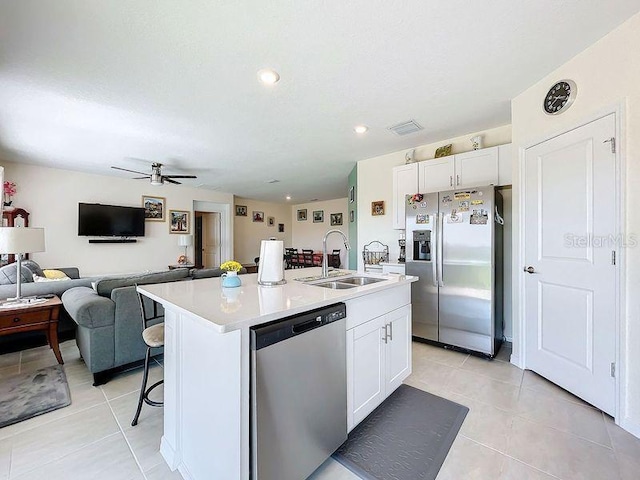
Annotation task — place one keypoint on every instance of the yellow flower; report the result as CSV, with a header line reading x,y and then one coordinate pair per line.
x,y
231,265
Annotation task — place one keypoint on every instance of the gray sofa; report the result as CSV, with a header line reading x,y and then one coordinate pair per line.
x,y
109,321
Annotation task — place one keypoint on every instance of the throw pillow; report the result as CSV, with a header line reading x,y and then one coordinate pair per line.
x,y
54,274
38,279
33,266
8,274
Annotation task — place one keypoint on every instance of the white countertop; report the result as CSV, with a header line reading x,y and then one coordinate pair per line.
x,y
251,304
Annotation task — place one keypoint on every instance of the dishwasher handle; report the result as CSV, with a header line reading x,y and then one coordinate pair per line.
x,y
306,326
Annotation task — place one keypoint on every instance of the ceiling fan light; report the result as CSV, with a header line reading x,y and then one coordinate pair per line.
x,y
156,179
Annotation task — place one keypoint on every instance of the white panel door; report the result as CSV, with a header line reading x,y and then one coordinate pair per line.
x,y
436,175
405,182
398,345
368,368
569,239
211,240
477,168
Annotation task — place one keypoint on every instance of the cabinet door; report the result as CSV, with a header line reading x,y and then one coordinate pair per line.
x,y
368,367
477,168
405,181
398,348
436,175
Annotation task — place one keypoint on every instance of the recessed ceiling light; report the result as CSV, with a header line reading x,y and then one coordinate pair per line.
x,y
268,76
361,129
288,197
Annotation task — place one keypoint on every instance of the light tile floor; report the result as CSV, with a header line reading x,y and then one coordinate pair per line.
x,y
520,427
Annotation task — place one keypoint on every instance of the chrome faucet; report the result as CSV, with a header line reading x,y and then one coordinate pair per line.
x,y
325,259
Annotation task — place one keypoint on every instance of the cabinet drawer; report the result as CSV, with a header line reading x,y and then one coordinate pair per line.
x,y
26,318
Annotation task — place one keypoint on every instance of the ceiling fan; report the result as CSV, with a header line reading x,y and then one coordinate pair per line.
x,y
156,176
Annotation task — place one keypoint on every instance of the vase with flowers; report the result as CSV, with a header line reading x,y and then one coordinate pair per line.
x,y
230,276
9,189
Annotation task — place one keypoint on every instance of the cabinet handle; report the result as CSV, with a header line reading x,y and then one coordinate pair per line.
x,y
390,331
457,179
451,180
16,320
385,334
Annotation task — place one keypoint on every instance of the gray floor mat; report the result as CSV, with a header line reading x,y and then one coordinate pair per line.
x,y
406,438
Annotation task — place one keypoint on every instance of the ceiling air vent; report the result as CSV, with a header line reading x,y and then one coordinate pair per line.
x,y
405,128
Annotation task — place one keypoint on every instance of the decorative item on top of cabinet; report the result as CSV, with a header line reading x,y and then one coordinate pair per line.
x,y
476,142
443,151
409,157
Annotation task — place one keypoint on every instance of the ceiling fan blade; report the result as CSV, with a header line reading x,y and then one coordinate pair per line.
x,y
165,179
127,170
180,176
141,178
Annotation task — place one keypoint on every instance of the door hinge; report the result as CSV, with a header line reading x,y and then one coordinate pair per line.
x,y
612,141
613,257
613,369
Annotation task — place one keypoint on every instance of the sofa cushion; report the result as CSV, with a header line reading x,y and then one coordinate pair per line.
x,y
197,273
106,285
8,274
34,267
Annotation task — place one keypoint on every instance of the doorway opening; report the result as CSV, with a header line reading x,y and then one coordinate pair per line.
x,y
207,240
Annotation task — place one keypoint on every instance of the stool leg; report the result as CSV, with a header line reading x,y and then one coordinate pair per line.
x,y
143,389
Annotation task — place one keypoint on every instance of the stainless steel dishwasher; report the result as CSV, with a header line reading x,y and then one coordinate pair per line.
x,y
298,393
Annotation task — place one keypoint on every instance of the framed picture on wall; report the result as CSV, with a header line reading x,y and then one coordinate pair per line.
x,y
258,216
154,208
302,215
241,210
318,216
377,208
281,227
178,221
271,221
336,219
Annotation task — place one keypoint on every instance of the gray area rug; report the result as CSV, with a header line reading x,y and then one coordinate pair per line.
x,y
406,438
27,395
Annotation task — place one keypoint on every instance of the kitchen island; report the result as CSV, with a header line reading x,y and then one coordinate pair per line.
x,y
207,352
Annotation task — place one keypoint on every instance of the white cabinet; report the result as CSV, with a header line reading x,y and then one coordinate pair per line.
x,y
405,182
436,175
478,167
378,361
395,268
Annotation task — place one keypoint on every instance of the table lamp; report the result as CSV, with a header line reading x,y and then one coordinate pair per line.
x,y
185,241
18,241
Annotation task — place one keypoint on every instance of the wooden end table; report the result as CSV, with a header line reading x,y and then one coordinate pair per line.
x,y
40,316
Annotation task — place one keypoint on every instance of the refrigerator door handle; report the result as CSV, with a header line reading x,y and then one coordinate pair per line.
x,y
434,250
440,253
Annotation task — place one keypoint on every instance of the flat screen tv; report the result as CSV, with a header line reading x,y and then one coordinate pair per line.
x,y
96,220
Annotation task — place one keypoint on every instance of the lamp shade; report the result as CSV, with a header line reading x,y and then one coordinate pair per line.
x,y
185,240
21,240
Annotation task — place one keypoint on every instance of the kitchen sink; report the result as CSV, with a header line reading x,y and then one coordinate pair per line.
x,y
360,281
335,285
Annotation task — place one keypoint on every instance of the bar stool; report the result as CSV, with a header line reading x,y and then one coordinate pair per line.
x,y
153,337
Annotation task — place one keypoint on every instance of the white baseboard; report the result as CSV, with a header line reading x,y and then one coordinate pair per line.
x,y
168,453
631,426
515,360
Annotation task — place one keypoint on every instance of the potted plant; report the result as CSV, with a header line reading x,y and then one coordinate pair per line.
x,y
230,276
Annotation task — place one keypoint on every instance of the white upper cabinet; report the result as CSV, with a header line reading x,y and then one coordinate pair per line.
x,y
478,167
405,182
436,175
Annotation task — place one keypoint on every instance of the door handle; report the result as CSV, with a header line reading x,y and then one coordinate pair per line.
x,y
529,269
434,251
440,250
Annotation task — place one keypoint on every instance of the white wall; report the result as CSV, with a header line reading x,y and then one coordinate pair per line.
x,y
51,196
248,233
607,74
375,183
309,235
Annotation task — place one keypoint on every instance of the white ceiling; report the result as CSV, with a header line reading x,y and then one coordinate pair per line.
x,y
86,85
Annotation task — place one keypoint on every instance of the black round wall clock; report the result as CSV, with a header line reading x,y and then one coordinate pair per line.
x,y
559,97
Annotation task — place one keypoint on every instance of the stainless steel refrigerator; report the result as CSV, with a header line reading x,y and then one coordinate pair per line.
x,y
454,244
